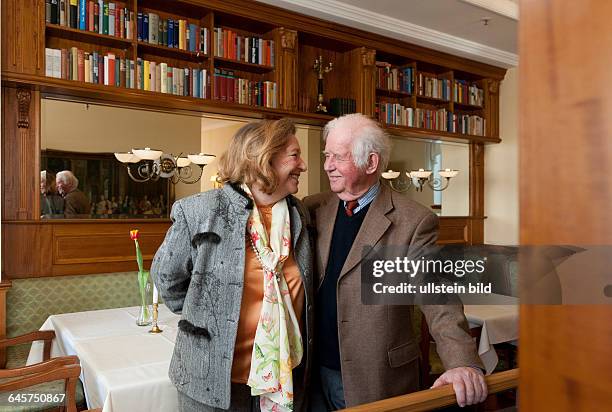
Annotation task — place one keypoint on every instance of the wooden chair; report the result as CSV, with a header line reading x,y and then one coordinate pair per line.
x,y
66,368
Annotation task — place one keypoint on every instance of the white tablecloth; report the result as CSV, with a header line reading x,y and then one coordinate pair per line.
x,y
499,324
124,368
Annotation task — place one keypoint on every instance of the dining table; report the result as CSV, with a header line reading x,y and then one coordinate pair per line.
x,y
124,367
497,316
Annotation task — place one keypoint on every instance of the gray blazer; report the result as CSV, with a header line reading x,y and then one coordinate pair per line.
x,y
199,272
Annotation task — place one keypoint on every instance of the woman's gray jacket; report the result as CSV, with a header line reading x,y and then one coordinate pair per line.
x,y
199,272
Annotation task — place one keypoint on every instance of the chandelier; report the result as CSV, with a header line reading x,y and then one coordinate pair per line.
x,y
147,164
418,179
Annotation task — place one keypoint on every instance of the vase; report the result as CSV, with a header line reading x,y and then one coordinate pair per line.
x,y
145,314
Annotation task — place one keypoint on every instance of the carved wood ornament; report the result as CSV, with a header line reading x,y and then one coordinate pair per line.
x,y
24,96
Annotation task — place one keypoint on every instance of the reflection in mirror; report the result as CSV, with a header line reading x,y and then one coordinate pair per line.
x,y
411,155
82,138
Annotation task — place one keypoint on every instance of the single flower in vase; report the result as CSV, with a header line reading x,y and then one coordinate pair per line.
x,y
144,316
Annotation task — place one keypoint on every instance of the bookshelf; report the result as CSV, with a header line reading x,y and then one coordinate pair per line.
x,y
297,39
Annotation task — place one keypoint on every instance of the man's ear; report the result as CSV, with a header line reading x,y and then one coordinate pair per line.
x,y
372,166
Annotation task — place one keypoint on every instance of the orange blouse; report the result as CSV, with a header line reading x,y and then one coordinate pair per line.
x,y
252,297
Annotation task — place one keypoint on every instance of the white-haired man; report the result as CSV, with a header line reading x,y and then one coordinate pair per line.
x,y
368,353
76,203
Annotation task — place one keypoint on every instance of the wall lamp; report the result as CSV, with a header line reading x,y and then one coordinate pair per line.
x,y
418,179
148,164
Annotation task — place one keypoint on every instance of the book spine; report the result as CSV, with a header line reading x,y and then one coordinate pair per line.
x,y
49,57
164,77
147,75
105,25
74,14
111,69
181,34
193,33
62,12
122,26
176,34
139,26
90,15
170,41
82,15
111,19
145,27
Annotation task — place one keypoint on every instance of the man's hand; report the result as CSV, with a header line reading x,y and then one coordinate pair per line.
x,y
468,383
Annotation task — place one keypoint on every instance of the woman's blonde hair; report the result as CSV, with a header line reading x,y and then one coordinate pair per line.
x,y
248,158
49,179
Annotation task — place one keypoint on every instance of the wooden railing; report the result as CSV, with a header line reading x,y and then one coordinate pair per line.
x,y
436,398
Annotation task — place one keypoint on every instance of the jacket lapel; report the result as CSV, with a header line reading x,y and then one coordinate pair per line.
x,y
374,226
325,217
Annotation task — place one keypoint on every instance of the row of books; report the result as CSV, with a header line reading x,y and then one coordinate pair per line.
x,y
179,34
163,78
233,89
440,119
98,16
433,87
469,124
231,45
463,92
397,79
76,64
112,70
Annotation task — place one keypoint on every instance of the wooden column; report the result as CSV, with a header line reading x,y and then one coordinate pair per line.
x,y
565,194
20,153
285,66
491,89
476,224
364,79
23,36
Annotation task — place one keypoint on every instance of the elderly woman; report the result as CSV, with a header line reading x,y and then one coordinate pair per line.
x,y
236,264
51,203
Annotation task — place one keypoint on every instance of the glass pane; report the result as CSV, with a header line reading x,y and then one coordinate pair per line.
x,y
81,138
454,199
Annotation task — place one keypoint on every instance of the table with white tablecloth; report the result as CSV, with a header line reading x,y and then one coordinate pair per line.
x,y
499,324
124,367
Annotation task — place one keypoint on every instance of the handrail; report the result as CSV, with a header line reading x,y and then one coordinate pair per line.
x,y
436,398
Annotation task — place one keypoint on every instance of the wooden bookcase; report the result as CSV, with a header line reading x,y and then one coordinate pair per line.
x,y
298,40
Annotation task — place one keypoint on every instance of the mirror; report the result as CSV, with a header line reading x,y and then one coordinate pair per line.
x,y
414,154
408,155
82,138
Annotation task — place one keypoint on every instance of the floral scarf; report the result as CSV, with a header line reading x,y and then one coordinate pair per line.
x,y
278,342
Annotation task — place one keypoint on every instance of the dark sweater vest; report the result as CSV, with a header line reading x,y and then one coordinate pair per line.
x,y
345,231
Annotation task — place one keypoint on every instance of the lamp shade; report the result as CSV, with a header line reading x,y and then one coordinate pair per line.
x,y
182,161
147,153
201,158
448,173
127,157
390,174
420,174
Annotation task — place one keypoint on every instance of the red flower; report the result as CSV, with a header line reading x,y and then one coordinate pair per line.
x,y
255,237
134,234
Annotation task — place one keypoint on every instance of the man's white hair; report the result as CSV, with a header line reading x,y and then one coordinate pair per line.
x,y
366,137
68,178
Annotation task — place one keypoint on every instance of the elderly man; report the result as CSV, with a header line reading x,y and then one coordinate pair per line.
x,y
368,353
76,203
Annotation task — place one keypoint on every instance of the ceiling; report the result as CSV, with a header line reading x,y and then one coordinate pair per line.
x,y
453,26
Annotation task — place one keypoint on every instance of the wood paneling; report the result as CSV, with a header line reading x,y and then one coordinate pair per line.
x,y
56,248
363,75
20,153
566,190
286,67
23,36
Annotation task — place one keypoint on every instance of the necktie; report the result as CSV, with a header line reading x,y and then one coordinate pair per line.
x,y
350,206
